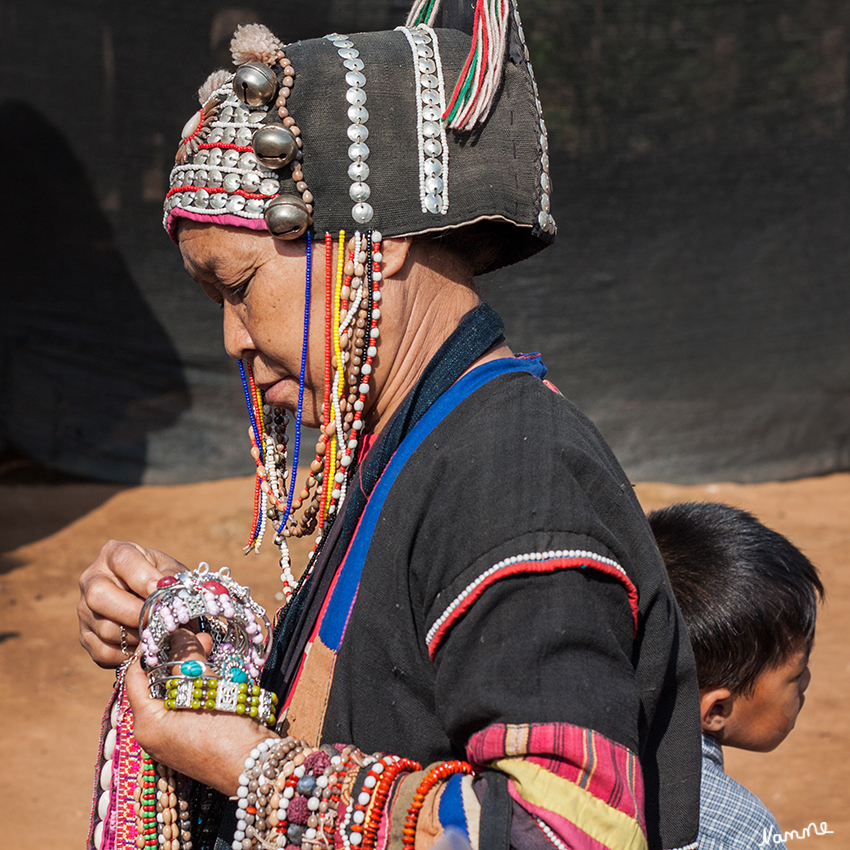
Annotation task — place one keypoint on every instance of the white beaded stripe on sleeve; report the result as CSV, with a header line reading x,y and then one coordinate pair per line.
x,y
554,554
550,834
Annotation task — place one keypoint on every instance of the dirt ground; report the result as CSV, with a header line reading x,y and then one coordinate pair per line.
x,y
53,696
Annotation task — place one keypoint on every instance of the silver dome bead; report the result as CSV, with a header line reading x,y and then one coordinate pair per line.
x,y
232,181
255,84
358,170
362,213
287,217
251,181
274,146
359,191
269,187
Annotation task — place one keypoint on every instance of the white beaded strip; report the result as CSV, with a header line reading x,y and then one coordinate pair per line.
x,y
259,752
356,300
515,559
358,132
550,834
544,217
430,128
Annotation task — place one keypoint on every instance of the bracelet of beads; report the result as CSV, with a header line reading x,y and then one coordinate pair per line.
x,y
291,794
162,817
146,804
212,693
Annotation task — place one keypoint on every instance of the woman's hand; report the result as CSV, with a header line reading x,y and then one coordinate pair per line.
x,y
209,746
112,591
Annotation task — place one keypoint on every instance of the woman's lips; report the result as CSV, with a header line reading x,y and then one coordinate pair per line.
x,y
278,392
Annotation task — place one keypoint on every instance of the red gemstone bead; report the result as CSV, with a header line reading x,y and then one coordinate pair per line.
x,y
215,587
166,581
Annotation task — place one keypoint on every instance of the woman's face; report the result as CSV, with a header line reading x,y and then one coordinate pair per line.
x,y
259,281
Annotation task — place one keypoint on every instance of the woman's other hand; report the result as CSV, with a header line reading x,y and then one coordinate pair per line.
x,y
112,591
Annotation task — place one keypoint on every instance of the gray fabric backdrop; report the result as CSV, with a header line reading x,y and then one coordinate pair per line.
x,y
695,305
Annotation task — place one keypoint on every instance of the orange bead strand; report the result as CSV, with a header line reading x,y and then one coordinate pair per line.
x,y
436,774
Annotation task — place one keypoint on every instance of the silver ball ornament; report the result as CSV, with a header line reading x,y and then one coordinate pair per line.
x,y
274,146
287,217
255,84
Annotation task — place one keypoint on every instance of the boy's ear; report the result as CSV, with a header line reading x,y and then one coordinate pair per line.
x,y
715,708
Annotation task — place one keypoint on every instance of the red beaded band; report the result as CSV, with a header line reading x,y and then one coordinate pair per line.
x,y
219,190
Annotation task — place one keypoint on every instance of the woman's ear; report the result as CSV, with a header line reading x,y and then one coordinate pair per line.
x,y
715,708
395,250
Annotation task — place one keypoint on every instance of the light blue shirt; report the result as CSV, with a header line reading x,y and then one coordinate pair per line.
x,y
730,816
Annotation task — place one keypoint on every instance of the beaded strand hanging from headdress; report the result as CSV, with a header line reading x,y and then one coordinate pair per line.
x,y
352,312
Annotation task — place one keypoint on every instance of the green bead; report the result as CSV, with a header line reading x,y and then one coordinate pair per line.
x,y
240,709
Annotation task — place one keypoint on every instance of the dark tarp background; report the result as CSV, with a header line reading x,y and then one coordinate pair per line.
x,y
695,304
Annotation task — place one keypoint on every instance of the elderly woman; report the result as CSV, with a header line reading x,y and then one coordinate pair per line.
x,y
483,649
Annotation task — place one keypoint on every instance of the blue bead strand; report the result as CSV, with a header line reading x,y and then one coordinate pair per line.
x,y
301,381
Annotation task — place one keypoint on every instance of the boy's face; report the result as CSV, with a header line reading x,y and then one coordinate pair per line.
x,y
762,720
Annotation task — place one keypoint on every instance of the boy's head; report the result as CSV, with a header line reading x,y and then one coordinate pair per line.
x,y
749,598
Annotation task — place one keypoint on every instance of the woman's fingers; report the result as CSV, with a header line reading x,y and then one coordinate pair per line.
x,y
188,645
112,590
209,746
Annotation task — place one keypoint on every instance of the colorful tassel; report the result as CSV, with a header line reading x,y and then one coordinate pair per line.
x,y
481,76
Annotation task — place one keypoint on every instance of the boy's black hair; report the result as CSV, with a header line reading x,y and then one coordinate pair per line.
x,y
748,595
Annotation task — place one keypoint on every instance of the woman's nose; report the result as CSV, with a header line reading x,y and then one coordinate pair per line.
x,y
237,340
